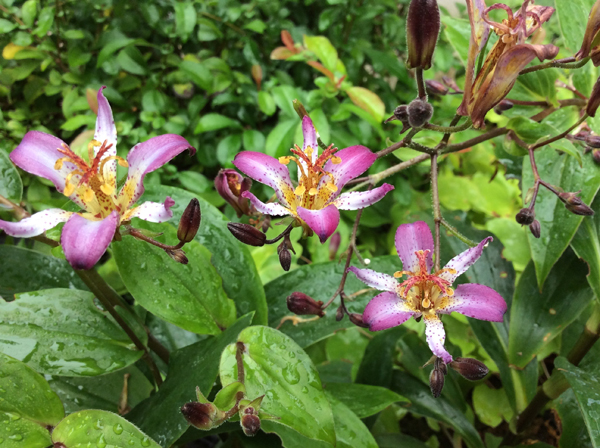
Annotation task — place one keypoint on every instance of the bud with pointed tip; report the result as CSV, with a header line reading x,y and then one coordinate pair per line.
x,y
247,234
574,204
334,245
357,319
594,101
201,415
189,222
436,382
525,216
339,314
592,140
250,424
400,114
596,155
285,258
503,106
230,185
422,30
178,255
469,368
419,113
535,228
435,87
302,304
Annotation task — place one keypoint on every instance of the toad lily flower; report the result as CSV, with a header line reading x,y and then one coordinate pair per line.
x,y
315,201
425,294
92,185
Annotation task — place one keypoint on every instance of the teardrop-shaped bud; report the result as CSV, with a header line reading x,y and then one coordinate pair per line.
x,y
535,228
574,204
435,87
302,304
594,101
503,106
201,415
419,113
178,255
592,140
247,234
525,216
189,222
469,368
436,382
250,424
285,257
334,245
339,314
422,30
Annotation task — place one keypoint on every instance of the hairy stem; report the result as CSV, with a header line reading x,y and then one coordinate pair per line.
x,y
449,129
405,141
376,178
559,136
456,233
421,83
437,214
560,63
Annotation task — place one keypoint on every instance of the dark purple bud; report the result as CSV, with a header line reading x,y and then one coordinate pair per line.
x,y
422,29
285,258
357,319
574,204
250,424
334,245
435,87
503,106
596,156
178,255
592,140
594,100
189,222
469,368
535,228
200,415
247,234
581,136
525,216
302,304
230,185
436,382
339,314
451,83
419,113
266,223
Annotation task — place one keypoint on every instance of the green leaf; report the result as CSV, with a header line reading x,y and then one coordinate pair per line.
x,y
266,103
491,405
190,296
572,14
586,244
256,25
28,12
398,440
45,21
6,26
586,385
377,365
228,148
323,49
368,101
231,258
74,34
362,399
191,366
11,186
284,96
278,368
78,121
536,86
198,73
100,428
131,60
538,317
111,47
87,342
558,224
185,19
574,431
350,431
253,140
458,33
22,433
214,122
16,265
281,138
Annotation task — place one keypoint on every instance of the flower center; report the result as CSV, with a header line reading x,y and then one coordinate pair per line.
x,y
424,291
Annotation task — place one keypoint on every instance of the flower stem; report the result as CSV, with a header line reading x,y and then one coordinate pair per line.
x,y
449,129
456,233
374,179
421,83
404,142
559,136
560,63
474,141
437,213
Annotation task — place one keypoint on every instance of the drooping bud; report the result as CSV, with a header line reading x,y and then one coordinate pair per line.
x,y
422,30
357,319
596,155
178,255
230,185
339,314
592,140
189,222
503,106
594,101
435,87
469,368
436,382
266,223
535,228
302,304
250,424
247,234
451,83
574,204
525,216
419,113
334,245
285,257
201,415
400,114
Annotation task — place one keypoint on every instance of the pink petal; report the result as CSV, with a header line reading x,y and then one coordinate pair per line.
x,y
152,211
84,241
323,222
411,238
355,161
267,170
478,302
35,224
106,131
377,280
462,261
436,336
148,156
356,200
385,311
272,209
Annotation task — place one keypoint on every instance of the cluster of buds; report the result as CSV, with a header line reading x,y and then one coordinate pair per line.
x,y
574,204
526,217
469,368
414,115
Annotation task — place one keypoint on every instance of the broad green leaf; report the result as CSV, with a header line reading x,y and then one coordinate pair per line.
x,y
284,96
28,12
377,365
514,239
266,103
538,317
45,21
74,34
574,431
423,403
214,122
362,399
253,140
586,385
17,264
185,19
256,25
87,342
281,138
131,60
536,86
458,33
11,186
78,121
6,26
368,101
22,433
323,49
586,244
191,366
231,259
198,73
190,296
572,15
491,405
99,428
111,47
278,368
558,225
399,440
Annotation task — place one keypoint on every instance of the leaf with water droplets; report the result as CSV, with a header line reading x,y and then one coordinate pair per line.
x,y
276,367
11,186
100,429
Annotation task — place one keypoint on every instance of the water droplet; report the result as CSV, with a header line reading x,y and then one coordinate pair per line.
x,y
291,375
118,429
145,441
304,390
16,437
101,443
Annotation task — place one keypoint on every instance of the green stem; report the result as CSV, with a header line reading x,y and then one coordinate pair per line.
x,y
374,179
456,233
421,84
449,129
437,213
559,63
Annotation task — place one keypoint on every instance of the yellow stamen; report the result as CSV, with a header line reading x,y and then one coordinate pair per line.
x,y
69,189
331,187
336,160
426,303
91,147
300,189
284,160
88,195
107,189
449,292
309,151
399,274
312,191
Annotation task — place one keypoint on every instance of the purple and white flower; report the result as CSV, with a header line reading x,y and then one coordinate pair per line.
x,y
316,200
93,186
425,294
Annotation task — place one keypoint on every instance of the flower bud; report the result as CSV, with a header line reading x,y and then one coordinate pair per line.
x,y
422,29
302,304
594,100
574,204
230,185
201,415
247,234
250,424
436,382
469,368
339,314
266,223
357,319
334,245
525,216
435,87
592,140
419,113
451,83
596,156
178,255
503,106
285,258
535,228
189,222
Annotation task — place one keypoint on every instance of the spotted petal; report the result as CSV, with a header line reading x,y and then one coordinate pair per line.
x,y
356,200
36,224
478,302
355,161
84,241
272,209
106,132
374,279
310,139
323,222
385,311
152,211
411,238
436,336
462,261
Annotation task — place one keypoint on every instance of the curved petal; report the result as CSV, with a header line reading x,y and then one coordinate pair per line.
x,y
436,336
385,311
355,161
84,241
106,132
269,171
272,209
411,238
310,139
323,222
374,279
477,301
356,200
152,211
36,224
591,30
146,157
462,261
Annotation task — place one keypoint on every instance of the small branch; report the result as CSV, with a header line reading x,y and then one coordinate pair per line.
x,y
559,63
559,136
421,83
138,234
282,234
444,142
374,179
17,210
437,213
449,129
239,350
400,144
456,233
475,141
